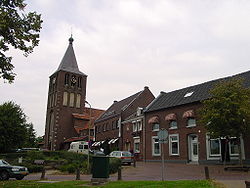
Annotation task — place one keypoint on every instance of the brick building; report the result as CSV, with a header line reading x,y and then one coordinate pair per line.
x,y
189,142
67,118
110,126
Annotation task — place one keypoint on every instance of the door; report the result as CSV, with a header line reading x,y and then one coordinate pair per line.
x,y
194,148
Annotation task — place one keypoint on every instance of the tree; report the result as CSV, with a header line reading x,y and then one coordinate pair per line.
x,y
18,30
15,132
227,114
30,138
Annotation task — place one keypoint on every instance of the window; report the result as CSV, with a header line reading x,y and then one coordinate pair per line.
x,y
137,144
65,98
191,122
113,125
173,124
80,146
71,99
66,79
214,147
55,99
188,94
155,146
79,82
78,100
117,124
174,144
104,127
233,147
155,127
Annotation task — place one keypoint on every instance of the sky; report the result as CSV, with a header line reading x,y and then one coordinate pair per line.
x,y
124,45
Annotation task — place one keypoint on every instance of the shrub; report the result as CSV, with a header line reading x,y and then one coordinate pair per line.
x,y
114,165
33,168
70,168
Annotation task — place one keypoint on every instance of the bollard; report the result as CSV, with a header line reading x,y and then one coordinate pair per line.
x,y
134,162
43,174
78,174
206,173
119,173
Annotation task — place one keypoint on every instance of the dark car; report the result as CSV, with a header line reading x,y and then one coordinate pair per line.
x,y
8,171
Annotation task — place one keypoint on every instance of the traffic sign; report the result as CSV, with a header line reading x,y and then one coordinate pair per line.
x,y
163,136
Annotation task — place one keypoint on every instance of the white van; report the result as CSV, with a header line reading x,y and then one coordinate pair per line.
x,y
79,147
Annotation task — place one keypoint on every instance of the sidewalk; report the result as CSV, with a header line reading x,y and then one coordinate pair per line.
x,y
152,171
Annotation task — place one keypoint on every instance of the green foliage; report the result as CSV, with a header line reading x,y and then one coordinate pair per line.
x,y
12,126
33,167
227,112
17,29
70,168
114,165
115,184
14,129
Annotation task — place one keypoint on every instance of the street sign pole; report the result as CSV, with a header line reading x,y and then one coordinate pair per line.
x,y
163,138
162,161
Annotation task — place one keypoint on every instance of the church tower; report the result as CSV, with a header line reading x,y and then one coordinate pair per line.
x,y
67,92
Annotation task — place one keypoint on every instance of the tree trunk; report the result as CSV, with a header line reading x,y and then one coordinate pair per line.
x,y
240,153
78,173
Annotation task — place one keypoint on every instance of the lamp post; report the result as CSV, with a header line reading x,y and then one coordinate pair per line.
x,y
89,125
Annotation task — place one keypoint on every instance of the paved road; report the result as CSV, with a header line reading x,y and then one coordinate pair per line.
x,y
152,171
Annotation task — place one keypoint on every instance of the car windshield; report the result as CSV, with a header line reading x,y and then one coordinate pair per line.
x,y
126,154
2,162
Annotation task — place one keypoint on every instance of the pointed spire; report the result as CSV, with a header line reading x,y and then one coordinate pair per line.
x,y
69,62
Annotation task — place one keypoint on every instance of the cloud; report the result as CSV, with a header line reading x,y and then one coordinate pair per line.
x,y
125,45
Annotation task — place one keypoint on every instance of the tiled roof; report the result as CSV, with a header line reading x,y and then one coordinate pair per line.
x,y
117,107
69,63
193,93
72,139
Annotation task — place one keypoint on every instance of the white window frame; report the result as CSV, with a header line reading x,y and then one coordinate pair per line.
x,y
153,148
170,145
209,147
230,151
139,125
137,141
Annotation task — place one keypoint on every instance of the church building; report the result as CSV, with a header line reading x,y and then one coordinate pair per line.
x,y
67,118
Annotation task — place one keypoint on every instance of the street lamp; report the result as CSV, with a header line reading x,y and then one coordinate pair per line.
x,y
89,125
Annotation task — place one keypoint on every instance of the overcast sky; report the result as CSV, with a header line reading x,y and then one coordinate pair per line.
x,y
124,45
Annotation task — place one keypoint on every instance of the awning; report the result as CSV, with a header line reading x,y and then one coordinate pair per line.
x,y
110,141
153,120
187,114
170,117
114,140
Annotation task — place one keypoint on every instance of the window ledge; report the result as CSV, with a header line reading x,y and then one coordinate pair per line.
x,y
171,128
156,130
174,154
156,155
191,126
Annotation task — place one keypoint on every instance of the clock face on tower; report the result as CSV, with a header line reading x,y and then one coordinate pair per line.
x,y
73,80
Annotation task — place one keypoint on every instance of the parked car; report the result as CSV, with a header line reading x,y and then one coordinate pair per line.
x,y
96,152
8,171
125,156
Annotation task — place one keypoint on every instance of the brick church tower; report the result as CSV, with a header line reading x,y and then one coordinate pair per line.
x,y
66,96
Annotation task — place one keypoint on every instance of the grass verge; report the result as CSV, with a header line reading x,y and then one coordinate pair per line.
x,y
115,184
